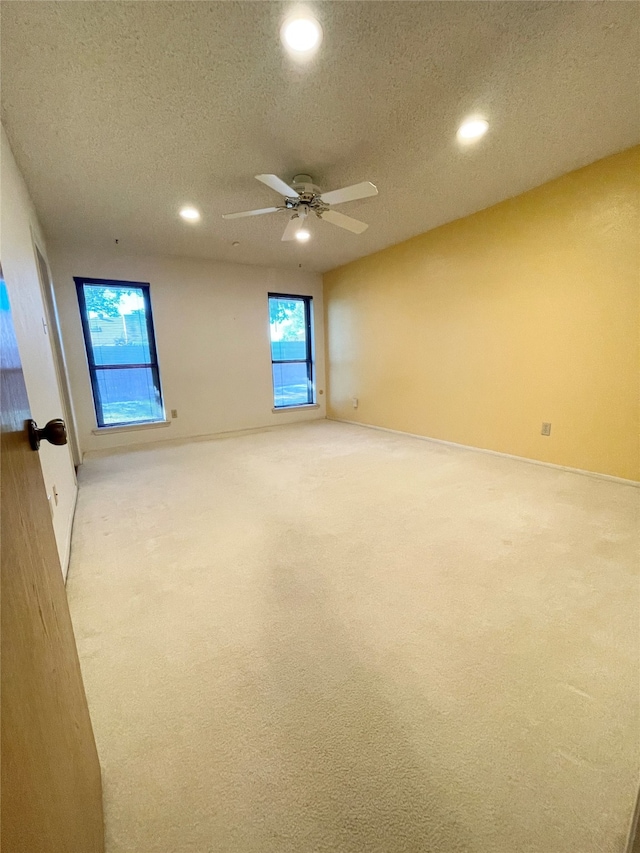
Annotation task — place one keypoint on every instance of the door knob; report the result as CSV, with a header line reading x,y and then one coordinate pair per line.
x,y
55,432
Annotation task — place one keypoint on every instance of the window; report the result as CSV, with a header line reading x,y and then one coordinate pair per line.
x,y
121,350
291,358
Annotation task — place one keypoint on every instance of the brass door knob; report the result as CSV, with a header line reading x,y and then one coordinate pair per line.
x,y
55,432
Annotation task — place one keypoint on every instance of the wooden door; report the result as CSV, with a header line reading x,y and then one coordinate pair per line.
x,y
51,787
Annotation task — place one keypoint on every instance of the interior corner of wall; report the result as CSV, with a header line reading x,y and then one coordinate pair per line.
x,y
65,556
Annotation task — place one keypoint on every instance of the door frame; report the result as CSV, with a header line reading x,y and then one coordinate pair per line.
x,y
57,347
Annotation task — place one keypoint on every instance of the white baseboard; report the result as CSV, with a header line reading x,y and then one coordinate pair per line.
x,y
188,439
595,474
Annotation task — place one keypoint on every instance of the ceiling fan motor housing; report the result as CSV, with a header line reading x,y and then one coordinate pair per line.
x,y
308,196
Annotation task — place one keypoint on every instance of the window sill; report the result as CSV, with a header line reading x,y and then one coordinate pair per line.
x,y
295,408
107,430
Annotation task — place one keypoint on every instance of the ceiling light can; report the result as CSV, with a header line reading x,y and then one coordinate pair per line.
x,y
472,129
190,214
301,35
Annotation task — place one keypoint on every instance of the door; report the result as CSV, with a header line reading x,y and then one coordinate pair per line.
x,y
51,787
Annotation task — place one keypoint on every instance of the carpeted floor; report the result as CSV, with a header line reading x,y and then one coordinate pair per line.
x,y
329,639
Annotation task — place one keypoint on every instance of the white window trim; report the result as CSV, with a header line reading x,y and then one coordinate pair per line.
x,y
129,427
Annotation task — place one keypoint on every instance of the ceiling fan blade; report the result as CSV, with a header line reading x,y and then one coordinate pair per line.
x,y
363,190
251,212
342,221
292,227
278,185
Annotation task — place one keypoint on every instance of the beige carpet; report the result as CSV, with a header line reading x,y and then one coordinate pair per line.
x,y
329,639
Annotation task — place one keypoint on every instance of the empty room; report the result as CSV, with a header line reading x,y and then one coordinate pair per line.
x,y
320,377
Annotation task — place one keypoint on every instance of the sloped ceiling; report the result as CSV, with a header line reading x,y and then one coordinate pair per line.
x,y
119,113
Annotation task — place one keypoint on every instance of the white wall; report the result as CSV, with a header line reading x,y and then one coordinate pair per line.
x,y
212,334
18,220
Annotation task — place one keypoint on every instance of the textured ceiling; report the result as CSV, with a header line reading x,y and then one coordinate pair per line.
x,y
119,113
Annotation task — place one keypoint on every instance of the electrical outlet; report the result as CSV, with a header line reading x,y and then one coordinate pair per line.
x,y
174,413
546,429
354,400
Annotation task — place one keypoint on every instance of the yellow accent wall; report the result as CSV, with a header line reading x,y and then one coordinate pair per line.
x,y
480,330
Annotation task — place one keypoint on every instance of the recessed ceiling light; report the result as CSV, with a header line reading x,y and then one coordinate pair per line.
x,y
190,214
302,35
472,129
302,235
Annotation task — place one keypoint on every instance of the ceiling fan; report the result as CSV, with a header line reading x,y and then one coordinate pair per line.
x,y
303,197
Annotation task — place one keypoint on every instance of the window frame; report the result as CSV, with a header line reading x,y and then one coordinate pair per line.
x,y
94,368
308,360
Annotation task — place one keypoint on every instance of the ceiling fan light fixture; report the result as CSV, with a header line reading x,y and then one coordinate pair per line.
x,y
190,214
301,34
307,199
472,129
